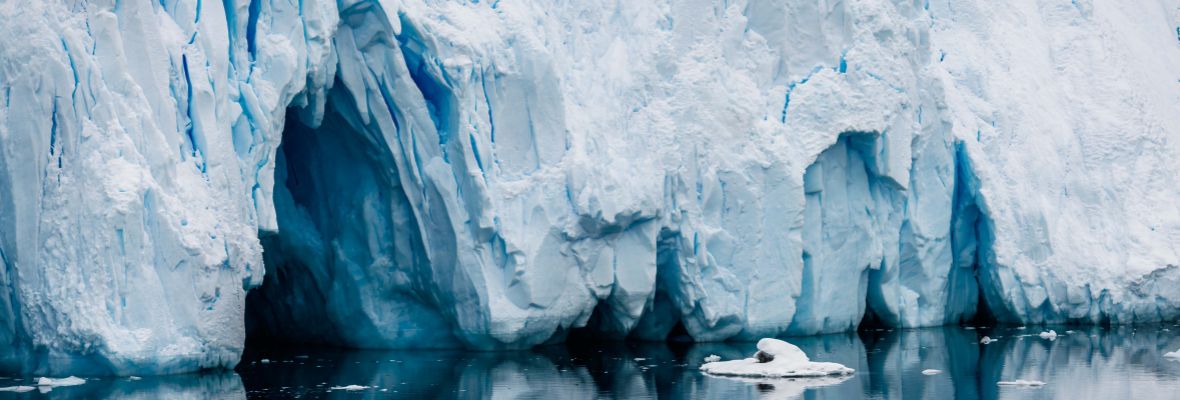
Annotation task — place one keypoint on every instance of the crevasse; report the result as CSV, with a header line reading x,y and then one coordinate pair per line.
x,y
175,175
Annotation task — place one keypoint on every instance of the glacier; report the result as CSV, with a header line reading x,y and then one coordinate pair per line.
x,y
176,174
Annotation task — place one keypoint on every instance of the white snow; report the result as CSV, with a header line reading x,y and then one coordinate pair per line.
x,y
1049,335
1021,382
931,371
789,361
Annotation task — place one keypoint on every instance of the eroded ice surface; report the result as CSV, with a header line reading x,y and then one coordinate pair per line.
x,y
495,174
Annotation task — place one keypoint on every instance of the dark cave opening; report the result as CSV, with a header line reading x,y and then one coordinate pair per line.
x,y
342,267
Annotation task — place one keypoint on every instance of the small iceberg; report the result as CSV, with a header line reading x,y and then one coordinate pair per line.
x,y
1021,382
931,371
776,359
68,381
715,358
986,340
1050,335
1174,355
351,388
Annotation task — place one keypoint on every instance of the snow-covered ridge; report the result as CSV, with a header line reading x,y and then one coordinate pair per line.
x,y
494,174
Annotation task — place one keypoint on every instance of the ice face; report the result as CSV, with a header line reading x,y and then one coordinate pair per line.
x,y
495,175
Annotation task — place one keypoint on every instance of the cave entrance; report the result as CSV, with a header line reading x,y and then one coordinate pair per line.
x,y
342,268
660,321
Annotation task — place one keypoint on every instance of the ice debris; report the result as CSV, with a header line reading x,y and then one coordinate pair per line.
x,y
776,359
1050,335
350,388
1021,382
18,389
55,382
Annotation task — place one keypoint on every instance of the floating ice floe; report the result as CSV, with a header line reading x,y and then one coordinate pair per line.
x,y
1021,382
986,340
931,371
1050,335
715,358
350,388
776,359
18,389
1174,355
52,382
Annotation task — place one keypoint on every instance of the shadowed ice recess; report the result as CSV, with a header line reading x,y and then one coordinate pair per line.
x,y
178,175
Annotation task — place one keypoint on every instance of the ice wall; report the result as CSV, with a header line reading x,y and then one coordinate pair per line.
x,y
497,174
1070,146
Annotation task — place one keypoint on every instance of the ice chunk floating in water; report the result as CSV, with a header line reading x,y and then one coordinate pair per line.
x,y
53,382
439,174
350,388
1021,382
18,389
776,359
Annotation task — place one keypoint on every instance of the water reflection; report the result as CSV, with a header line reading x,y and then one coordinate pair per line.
x,y
1082,363
190,386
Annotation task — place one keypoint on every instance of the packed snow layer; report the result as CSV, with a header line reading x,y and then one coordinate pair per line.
x,y
776,359
495,174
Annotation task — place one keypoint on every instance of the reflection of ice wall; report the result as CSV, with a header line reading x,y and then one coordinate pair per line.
x,y
495,174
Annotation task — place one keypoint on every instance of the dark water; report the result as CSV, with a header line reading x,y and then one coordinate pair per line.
x,y
1085,363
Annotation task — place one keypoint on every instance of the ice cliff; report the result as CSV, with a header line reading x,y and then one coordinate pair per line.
x,y
495,174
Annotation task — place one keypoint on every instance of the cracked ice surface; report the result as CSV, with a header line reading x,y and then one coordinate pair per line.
x,y
495,174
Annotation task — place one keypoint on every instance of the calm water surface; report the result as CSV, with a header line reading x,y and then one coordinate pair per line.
x,y
1084,363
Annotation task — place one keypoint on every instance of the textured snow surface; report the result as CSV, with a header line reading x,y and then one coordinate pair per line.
x,y
494,174
788,361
